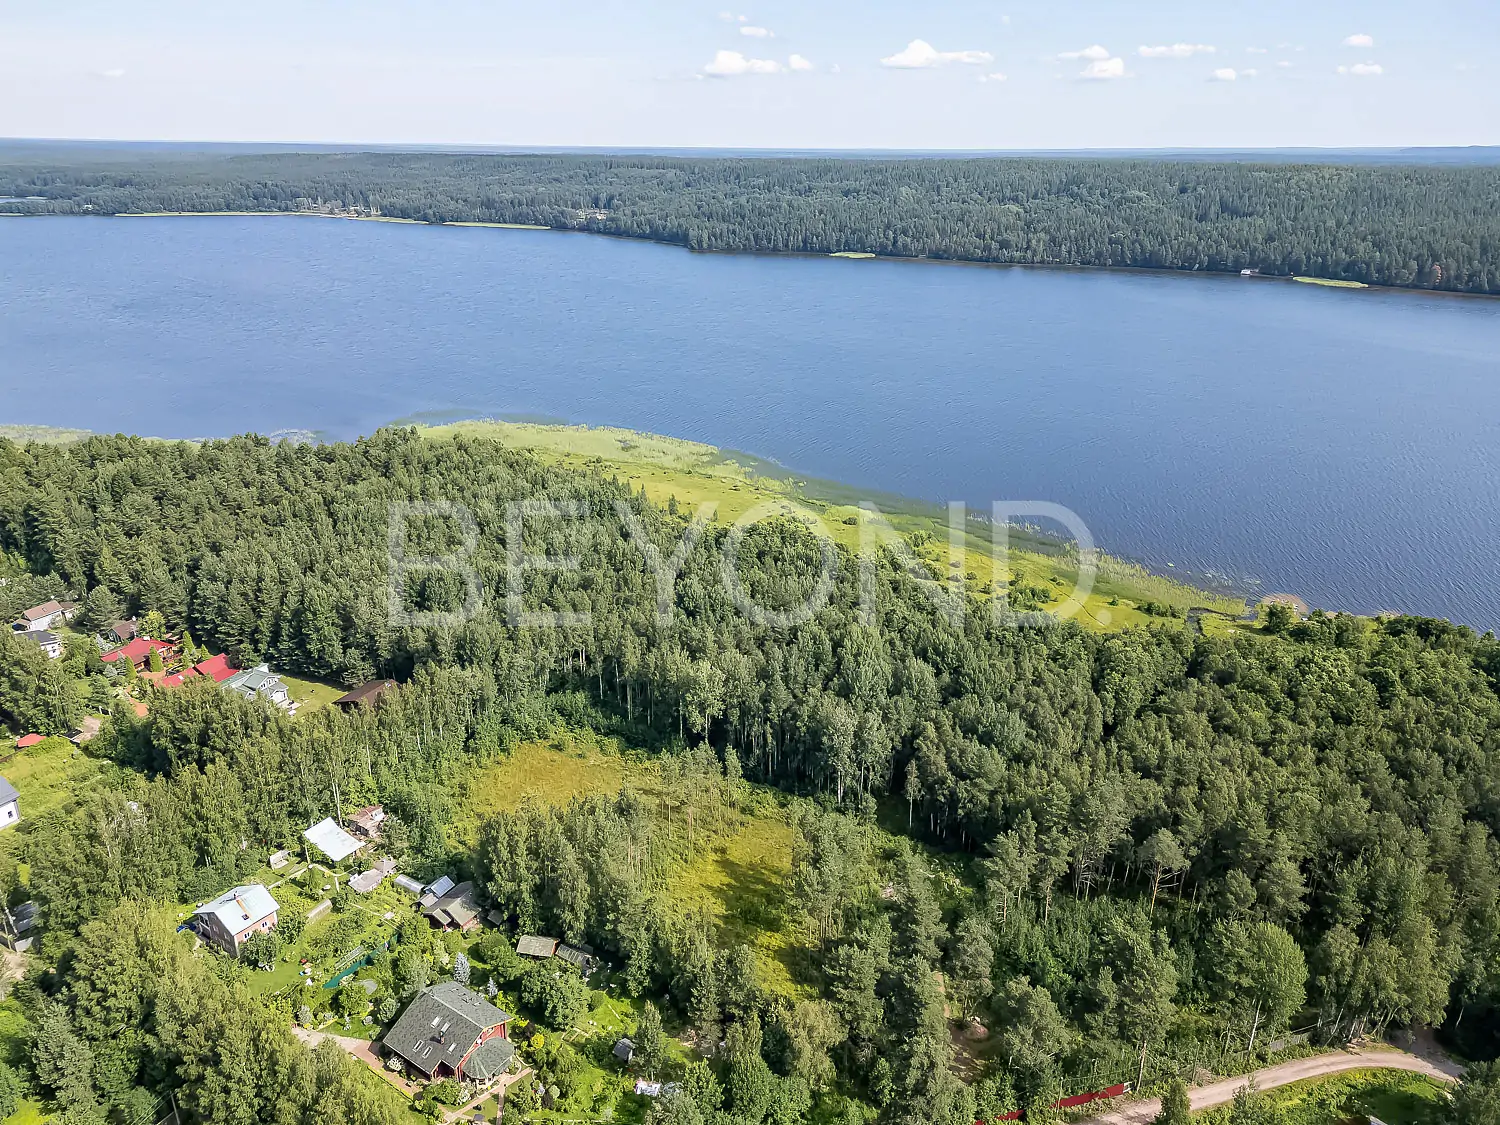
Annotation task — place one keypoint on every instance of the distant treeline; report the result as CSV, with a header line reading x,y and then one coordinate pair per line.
x,y
1416,226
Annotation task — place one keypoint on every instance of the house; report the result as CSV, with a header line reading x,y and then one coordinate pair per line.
x,y
236,914
138,652
580,957
455,910
50,643
280,859
449,1031
435,891
367,881
10,805
216,668
624,1050
367,821
123,632
366,695
541,948
27,741
332,840
44,616
259,683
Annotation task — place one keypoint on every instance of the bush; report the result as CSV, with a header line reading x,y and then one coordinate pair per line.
x,y
446,1093
556,997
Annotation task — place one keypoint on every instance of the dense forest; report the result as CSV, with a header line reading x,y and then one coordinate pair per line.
x,y
1174,846
1429,227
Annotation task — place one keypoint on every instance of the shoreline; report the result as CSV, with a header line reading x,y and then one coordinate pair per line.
x,y
843,255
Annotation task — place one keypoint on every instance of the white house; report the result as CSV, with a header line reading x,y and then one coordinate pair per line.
x,y
259,683
44,616
10,805
50,643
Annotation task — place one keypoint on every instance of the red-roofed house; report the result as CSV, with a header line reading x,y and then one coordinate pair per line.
x,y
138,652
215,668
26,741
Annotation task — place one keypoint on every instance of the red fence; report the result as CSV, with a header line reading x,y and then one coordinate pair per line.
x,y
1116,1091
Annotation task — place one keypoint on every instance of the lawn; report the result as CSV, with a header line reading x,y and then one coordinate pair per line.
x,y
734,483
51,774
310,694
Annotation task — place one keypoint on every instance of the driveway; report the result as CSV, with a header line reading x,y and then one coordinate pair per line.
x,y
1217,1093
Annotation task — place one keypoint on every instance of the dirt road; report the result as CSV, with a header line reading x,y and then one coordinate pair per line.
x,y
1217,1093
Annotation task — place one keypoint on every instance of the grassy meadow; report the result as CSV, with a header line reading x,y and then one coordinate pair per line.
x,y
1396,1097
734,484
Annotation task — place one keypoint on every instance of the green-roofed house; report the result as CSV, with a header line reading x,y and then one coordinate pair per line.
x,y
451,1031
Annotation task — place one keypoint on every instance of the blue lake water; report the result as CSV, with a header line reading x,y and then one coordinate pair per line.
x,y
1340,445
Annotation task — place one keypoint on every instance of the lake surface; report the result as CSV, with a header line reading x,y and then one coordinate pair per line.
x,y
1340,445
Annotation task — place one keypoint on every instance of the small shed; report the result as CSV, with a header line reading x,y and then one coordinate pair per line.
x,y
407,883
580,957
530,945
624,1050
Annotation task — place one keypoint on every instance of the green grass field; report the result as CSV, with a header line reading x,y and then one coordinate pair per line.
x,y
310,694
49,775
735,483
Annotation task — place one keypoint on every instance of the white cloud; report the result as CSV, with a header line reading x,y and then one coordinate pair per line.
x,y
1284,65
1363,70
920,54
1224,74
1176,51
994,76
730,17
1252,73
1360,41
1257,50
1101,70
729,64
1096,53
834,69
797,62
757,32
116,72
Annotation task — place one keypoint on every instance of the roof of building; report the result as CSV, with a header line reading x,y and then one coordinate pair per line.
x,y
41,637
530,945
27,740
46,609
624,1049
407,883
366,881
490,1058
441,1026
442,886
216,668
136,651
366,693
583,957
456,908
240,907
125,630
369,818
7,792
332,840
253,680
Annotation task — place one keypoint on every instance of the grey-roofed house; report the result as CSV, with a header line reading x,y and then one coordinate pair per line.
x,y
332,840
456,910
236,914
259,683
449,1030
10,805
624,1050
50,643
531,945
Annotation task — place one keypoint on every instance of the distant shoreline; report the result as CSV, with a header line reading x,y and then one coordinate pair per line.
x,y
845,255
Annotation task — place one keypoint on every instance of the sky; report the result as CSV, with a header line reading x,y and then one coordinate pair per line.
x,y
821,74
